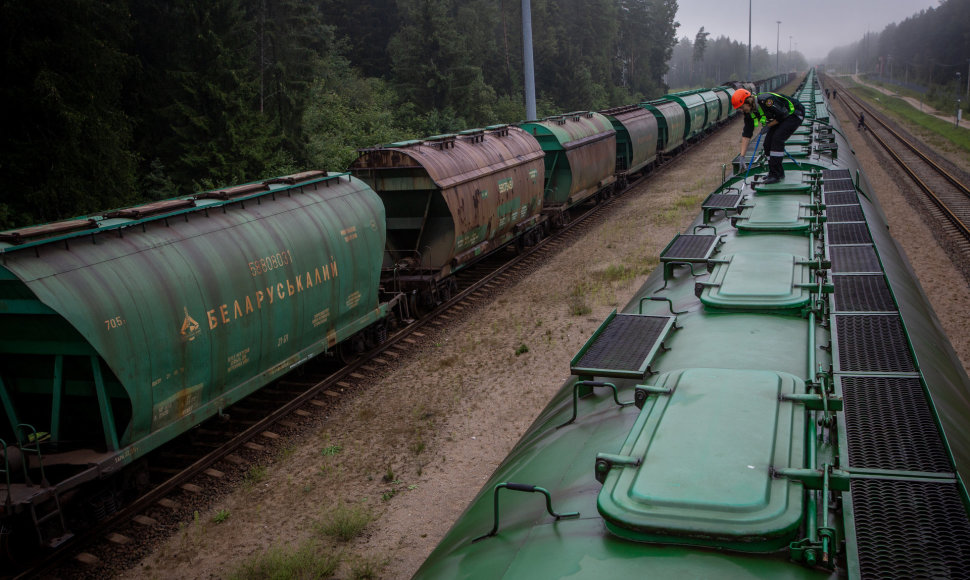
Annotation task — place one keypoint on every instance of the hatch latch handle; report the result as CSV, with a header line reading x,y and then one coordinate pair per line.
x,y
670,303
643,391
592,384
668,267
704,226
606,461
530,489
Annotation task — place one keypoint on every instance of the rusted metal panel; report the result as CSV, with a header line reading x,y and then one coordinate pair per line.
x,y
671,121
22,235
636,137
580,155
192,312
450,198
150,209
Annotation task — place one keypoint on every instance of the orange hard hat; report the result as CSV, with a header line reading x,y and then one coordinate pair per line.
x,y
739,97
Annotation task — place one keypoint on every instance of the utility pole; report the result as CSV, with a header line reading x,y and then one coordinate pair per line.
x,y
791,66
777,40
530,77
749,39
957,114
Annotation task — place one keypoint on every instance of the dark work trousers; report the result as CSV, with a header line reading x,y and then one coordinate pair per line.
x,y
775,142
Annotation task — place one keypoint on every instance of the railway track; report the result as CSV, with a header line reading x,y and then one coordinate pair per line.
x,y
310,393
948,198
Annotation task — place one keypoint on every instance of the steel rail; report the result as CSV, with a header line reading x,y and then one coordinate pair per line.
x,y
948,213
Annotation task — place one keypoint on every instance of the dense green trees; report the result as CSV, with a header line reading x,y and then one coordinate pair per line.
x,y
65,129
928,49
722,59
114,102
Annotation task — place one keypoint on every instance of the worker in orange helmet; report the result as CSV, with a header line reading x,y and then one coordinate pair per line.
x,y
781,115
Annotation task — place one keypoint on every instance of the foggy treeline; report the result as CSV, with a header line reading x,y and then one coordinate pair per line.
x,y
116,102
929,51
703,62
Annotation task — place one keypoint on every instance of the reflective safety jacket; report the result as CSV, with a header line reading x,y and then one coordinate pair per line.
x,y
770,107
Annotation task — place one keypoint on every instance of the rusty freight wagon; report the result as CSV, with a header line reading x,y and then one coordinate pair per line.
x,y
121,331
451,199
580,152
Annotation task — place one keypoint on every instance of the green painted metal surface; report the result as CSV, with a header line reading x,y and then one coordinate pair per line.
x,y
724,99
684,459
580,157
672,122
776,212
757,280
636,137
793,182
712,106
707,452
695,112
189,311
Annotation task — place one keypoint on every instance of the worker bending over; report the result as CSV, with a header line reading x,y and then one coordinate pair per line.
x,y
781,115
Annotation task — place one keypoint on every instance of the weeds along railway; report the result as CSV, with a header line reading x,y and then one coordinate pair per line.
x,y
777,401
123,330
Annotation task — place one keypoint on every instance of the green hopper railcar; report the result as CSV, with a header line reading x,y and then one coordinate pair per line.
x,y
120,331
580,157
672,123
777,401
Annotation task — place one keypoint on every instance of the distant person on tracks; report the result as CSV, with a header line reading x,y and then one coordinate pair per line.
x,y
779,114
862,121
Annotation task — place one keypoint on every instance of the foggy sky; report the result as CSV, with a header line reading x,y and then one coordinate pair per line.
x,y
817,26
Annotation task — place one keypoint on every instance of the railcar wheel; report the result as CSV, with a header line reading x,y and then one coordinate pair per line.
x,y
350,350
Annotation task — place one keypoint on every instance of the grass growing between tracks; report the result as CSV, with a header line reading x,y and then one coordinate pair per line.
x,y
346,522
315,558
310,560
952,138
307,561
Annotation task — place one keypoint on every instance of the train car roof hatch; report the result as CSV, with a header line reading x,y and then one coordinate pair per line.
x,y
757,280
710,482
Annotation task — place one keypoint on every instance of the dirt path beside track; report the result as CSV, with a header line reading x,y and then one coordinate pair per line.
x,y
915,103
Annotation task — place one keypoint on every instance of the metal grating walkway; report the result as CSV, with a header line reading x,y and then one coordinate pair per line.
x,y
828,174
872,343
854,259
722,201
863,294
844,213
689,247
848,233
831,185
841,198
624,345
909,529
889,425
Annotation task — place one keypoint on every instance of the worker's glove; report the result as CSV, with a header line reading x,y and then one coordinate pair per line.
x,y
743,164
